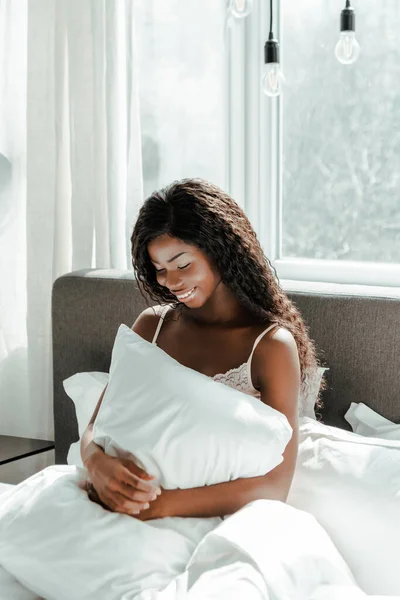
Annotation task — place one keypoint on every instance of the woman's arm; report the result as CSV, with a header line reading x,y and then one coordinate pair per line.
x,y
89,450
276,372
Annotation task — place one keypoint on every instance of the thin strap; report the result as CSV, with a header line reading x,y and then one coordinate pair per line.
x,y
163,312
260,337
250,379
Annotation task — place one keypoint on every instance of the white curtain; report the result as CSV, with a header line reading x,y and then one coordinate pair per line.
x,y
70,129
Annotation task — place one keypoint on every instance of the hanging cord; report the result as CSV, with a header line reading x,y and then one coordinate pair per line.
x,y
271,35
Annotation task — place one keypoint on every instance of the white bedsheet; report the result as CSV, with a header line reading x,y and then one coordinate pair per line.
x,y
5,487
266,551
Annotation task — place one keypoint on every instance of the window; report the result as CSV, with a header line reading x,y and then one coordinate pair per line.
x,y
341,140
316,170
182,90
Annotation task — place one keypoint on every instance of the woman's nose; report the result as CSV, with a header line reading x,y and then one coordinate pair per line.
x,y
174,281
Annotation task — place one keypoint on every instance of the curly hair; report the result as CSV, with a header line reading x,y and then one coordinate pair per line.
x,y
201,214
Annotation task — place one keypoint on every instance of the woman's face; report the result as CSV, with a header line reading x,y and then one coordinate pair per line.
x,y
184,270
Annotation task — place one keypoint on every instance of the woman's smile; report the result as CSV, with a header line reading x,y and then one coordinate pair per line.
x,y
186,296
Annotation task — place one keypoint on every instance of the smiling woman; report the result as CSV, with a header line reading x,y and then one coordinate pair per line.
x,y
224,316
187,274
194,248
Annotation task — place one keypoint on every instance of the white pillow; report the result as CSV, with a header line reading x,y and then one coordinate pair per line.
x,y
180,425
351,484
84,389
365,421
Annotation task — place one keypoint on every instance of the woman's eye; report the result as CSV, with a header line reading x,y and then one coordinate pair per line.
x,y
160,271
184,267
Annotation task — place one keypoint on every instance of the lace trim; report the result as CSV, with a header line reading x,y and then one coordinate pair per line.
x,y
237,379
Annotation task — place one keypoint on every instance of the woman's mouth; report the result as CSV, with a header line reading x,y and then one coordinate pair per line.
x,y
186,296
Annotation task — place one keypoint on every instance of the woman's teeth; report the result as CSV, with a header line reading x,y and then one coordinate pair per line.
x,y
185,296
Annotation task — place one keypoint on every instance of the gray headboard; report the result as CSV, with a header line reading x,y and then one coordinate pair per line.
x,y
358,338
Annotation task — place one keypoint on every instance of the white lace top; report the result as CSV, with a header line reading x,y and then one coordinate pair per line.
x,y
238,378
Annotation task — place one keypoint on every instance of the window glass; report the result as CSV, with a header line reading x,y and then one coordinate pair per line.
x,y
341,133
182,62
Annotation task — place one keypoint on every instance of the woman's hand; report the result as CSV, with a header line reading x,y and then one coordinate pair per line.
x,y
160,508
120,485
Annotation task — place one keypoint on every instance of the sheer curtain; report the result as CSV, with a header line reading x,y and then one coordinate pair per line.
x,y
70,128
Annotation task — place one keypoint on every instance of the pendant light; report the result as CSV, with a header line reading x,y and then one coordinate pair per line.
x,y
272,78
347,49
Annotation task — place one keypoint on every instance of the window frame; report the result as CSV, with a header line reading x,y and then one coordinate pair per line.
x,y
255,158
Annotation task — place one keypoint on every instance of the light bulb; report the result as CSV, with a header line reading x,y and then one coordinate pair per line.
x,y
272,80
347,49
240,8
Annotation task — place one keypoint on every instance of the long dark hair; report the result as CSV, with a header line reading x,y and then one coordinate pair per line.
x,y
201,214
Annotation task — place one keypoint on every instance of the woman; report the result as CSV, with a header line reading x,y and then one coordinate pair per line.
x,y
224,315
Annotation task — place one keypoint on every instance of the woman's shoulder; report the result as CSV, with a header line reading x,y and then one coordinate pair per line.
x,y
278,339
147,322
276,352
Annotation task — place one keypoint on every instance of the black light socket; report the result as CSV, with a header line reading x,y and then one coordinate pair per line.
x,y
348,18
271,50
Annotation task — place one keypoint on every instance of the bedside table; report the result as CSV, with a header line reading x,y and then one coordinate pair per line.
x,y
14,448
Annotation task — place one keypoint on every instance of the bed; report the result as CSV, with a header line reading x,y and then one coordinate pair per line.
x,y
356,330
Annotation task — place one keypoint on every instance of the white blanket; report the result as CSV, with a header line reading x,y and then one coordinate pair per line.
x,y
60,546
11,589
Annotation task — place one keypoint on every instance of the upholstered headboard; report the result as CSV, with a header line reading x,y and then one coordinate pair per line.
x,y
356,331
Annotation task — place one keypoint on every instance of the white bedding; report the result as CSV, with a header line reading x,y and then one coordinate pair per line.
x,y
234,583
266,551
4,487
11,589
367,422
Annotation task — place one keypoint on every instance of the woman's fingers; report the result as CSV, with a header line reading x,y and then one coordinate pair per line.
x,y
131,474
131,466
119,486
119,503
127,477
135,494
